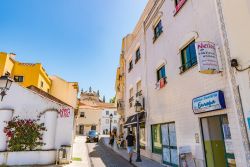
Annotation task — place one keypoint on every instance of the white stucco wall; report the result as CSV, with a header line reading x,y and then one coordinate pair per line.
x,y
29,105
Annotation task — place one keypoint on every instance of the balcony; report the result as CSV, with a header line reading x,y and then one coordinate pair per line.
x,y
187,65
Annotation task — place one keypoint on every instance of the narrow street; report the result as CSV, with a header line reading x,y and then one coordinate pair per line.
x,y
95,155
101,156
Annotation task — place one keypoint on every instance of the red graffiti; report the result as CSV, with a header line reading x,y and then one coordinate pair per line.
x,y
65,113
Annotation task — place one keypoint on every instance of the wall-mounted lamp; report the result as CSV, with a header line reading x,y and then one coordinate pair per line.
x,y
5,84
235,64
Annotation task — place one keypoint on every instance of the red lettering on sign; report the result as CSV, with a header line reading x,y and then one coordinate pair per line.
x,y
64,113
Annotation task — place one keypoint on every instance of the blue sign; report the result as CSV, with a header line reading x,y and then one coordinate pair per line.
x,y
209,102
248,121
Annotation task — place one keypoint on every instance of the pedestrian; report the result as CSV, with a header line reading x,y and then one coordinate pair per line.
x,y
130,143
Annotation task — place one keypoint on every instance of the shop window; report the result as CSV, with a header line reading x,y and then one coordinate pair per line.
x,y
142,136
130,66
18,78
188,57
115,121
169,144
156,139
161,77
107,112
137,55
115,112
157,30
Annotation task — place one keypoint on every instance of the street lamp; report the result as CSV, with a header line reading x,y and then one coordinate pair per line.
x,y
110,117
5,83
138,108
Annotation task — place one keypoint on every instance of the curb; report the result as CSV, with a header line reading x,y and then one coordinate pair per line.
x,y
89,160
116,152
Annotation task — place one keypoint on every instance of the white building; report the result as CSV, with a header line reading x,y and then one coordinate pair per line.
x,y
185,109
105,120
32,104
91,113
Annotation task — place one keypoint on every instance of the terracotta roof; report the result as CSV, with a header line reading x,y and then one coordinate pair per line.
x,y
47,95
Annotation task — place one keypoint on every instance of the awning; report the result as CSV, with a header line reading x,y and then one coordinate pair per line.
x,y
132,120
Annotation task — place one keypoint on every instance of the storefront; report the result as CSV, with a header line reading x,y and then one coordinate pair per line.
x,y
131,123
164,142
216,135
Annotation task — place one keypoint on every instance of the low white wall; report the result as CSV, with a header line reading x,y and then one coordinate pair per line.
x,y
26,104
5,115
28,158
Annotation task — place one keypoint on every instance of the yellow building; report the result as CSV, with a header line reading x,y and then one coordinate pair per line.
x,y
65,91
26,74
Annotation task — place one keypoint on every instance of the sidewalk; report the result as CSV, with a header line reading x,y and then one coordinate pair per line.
x,y
146,162
80,153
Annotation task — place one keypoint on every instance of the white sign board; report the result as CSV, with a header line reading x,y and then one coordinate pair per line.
x,y
207,57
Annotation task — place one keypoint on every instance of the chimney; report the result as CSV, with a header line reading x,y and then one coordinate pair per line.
x,y
12,55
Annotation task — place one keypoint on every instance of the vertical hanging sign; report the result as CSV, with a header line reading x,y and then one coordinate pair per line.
x,y
207,57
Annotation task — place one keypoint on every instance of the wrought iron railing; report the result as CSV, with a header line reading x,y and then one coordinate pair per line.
x,y
188,65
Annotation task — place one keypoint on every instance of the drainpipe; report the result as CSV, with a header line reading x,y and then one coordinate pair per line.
x,y
233,83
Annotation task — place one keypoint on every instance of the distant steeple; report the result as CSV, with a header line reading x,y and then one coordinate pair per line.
x,y
82,91
103,99
90,89
98,93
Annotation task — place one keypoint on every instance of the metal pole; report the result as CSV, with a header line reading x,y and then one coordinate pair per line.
x,y
138,159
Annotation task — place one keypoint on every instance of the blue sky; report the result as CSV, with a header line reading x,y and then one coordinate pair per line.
x,y
78,40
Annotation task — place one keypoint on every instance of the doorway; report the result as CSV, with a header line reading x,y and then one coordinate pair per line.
x,y
169,145
217,141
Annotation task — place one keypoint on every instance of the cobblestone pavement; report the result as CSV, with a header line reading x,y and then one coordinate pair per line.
x,y
102,156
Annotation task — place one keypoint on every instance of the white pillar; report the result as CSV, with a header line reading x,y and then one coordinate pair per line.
x,y
50,122
5,115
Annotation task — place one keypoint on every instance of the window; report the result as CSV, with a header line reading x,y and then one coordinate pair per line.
x,y
107,112
157,30
161,73
156,139
82,114
188,57
107,121
137,55
142,136
138,87
47,90
18,78
130,66
161,77
115,112
41,84
131,98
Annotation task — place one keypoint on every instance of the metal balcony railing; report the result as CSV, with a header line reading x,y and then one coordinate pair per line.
x,y
188,65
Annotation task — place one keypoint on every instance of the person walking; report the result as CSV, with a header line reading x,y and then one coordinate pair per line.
x,y
130,143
